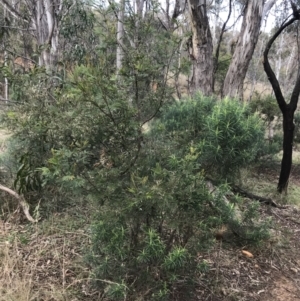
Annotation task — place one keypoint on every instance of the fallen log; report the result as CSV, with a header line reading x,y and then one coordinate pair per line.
x,y
255,197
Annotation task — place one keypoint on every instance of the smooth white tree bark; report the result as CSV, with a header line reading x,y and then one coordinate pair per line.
x,y
120,35
44,19
255,10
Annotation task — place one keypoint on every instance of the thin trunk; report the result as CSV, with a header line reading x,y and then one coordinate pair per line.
x,y
44,17
289,67
6,96
140,7
288,138
254,78
201,51
177,85
216,59
278,55
120,36
217,6
5,64
287,110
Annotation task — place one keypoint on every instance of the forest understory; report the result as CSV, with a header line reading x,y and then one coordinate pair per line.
x,y
149,150
46,261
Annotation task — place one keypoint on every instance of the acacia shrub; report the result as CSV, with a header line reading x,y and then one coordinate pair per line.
x,y
185,117
155,220
225,135
268,109
149,232
232,138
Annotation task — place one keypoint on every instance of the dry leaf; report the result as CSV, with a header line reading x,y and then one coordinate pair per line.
x,y
294,270
247,254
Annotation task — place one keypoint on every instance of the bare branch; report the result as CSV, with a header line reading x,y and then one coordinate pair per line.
x,y
267,8
13,11
21,201
219,43
271,75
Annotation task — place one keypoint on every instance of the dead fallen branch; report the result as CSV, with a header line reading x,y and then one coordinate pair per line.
x,y
21,201
255,197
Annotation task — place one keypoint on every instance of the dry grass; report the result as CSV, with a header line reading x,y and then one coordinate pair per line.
x,y
4,135
261,88
45,261
16,281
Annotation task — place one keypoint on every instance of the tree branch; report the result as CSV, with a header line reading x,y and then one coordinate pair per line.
x,y
216,67
21,201
13,11
271,76
255,197
267,8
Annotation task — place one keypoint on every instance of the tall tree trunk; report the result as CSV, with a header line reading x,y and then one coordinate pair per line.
x,y
47,32
201,48
6,96
120,35
234,80
287,109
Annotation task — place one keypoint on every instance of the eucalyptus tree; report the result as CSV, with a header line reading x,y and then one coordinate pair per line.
x,y
200,47
201,52
254,13
43,20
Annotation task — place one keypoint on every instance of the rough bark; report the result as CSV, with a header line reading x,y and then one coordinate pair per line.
x,y
248,37
287,109
201,48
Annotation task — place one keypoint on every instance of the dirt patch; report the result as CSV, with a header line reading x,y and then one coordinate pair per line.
x,y
271,273
284,289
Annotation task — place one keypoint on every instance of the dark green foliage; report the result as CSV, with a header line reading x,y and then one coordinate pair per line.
x,y
232,138
80,134
268,109
27,179
154,223
224,135
73,126
185,120
265,105
151,229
